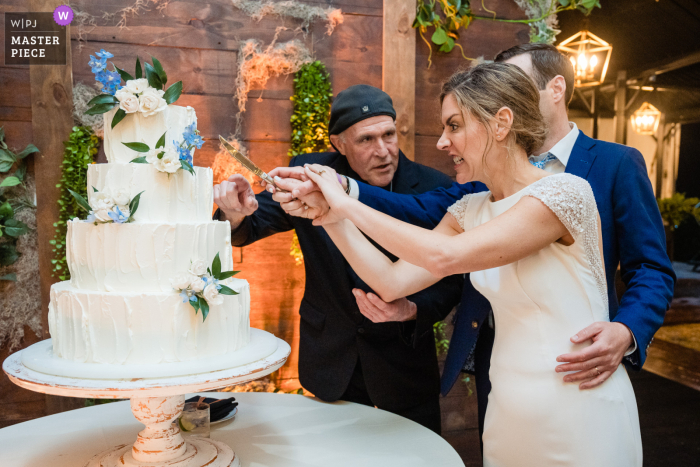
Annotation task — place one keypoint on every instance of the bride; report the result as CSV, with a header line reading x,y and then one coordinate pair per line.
x,y
533,246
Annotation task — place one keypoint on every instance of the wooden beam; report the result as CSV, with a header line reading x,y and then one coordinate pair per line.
x,y
399,68
620,106
669,65
52,120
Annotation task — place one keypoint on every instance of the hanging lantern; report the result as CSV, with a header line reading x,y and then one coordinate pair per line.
x,y
590,55
645,120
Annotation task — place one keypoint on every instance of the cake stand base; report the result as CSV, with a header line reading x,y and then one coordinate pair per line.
x,y
156,403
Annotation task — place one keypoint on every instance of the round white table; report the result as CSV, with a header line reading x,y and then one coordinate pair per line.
x,y
270,430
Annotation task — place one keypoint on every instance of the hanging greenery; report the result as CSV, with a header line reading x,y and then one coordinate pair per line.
x,y
81,148
448,17
312,109
678,209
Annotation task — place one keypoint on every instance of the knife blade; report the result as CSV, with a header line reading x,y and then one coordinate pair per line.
x,y
247,163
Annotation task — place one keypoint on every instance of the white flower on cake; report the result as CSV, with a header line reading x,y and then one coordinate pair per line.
x,y
198,268
168,161
212,296
136,86
128,102
121,197
151,102
104,208
101,201
202,286
198,284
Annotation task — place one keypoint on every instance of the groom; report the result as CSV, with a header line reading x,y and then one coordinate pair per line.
x,y
633,238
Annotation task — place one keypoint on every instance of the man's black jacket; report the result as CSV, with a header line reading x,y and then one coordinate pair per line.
x,y
399,371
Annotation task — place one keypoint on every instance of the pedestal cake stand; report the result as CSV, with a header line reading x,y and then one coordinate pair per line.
x,y
155,402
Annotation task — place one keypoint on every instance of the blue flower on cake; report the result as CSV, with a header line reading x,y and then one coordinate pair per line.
x,y
203,287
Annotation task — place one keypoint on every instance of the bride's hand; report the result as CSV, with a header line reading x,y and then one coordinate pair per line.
x,y
327,180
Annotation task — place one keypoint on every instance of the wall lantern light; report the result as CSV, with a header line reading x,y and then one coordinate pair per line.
x,y
590,56
645,120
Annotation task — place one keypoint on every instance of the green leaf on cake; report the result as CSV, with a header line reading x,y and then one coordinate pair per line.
x,y
94,190
81,201
204,306
216,266
161,141
101,108
139,160
226,290
195,305
125,76
134,204
186,166
118,117
138,72
103,99
159,69
152,76
138,147
173,93
227,274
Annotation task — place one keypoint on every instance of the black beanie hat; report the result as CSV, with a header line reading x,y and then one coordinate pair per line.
x,y
358,103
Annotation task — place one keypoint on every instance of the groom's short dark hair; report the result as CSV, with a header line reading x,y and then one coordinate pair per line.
x,y
547,62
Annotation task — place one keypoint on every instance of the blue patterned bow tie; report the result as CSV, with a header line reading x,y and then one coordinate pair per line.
x,y
541,164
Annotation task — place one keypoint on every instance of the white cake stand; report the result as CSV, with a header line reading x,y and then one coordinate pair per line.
x,y
156,403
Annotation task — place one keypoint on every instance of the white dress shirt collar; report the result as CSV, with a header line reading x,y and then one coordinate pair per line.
x,y
562,150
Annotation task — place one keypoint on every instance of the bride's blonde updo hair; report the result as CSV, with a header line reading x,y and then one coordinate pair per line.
x,y
485,88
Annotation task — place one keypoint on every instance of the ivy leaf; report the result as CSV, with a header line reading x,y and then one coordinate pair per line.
x,y
134,204
564,2
30,149
5,166
81,201
205,308
216,266
9,277
103,99
159,69
8,254
173,93
138,73
15,228
227,291
21,172
138,147
439,36
227,274
161,141
118,117
152,76
10,181
448,45
139,160
125,76
100,109
6,210
7,156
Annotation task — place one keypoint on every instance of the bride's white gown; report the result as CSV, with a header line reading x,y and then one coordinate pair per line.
x,y
534,418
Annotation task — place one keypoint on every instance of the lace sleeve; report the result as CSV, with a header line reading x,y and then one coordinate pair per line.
x,y
459,208
571,199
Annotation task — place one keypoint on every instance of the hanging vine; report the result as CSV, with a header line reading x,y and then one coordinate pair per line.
x,y
312,107
450,17
81,148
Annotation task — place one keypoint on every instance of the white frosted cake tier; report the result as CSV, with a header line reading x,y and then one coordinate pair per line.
x,y
135,128
178,197
141,257
144,328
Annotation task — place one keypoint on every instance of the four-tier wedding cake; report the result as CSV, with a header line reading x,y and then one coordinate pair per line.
x,y
150,280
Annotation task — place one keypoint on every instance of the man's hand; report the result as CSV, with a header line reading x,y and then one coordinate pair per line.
x,y
594,364
236,199
379,311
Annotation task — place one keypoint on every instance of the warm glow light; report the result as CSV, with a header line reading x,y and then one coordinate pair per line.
x,y
645,120
586,52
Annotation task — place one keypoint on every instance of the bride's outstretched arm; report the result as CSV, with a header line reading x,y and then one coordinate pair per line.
x,y
521,231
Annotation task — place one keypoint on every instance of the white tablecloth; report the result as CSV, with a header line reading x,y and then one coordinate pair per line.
x,y
270,430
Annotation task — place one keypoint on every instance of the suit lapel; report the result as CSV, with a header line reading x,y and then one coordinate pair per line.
x,y
582,158
406,178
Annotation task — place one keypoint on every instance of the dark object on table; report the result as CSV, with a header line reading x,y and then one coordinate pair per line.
x,y
218,408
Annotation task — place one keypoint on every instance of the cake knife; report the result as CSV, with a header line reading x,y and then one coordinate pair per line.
x,y
247,163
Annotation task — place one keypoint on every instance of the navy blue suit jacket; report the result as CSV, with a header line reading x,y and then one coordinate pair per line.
x,y
633,238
